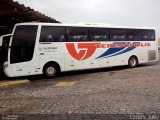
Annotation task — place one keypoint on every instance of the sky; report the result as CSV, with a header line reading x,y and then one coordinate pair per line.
x,y
116,12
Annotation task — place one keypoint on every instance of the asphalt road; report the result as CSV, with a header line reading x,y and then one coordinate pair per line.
x,y
118,90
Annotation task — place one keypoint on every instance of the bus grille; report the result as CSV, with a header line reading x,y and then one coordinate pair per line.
x,y
151,55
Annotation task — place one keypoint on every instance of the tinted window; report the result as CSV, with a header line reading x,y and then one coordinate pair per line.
x,y
4,50
134,35
98,34
52,34
148,35
117,35
23,43
77,34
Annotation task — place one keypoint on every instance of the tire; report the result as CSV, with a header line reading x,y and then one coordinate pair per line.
x,y
50,70
133,62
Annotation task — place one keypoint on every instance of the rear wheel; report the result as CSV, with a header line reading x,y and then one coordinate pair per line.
x,y
50,70
133,62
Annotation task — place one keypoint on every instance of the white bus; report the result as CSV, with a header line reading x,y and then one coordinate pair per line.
x,y
50,48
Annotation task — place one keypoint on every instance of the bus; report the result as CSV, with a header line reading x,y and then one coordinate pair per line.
x,y
51,48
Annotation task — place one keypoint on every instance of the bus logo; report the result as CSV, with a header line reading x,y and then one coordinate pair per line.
x,y
83,51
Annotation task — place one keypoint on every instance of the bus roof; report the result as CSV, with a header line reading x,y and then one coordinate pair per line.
x,y
99,25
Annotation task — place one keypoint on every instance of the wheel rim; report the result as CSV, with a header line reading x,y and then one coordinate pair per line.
x,y
133,62
50,71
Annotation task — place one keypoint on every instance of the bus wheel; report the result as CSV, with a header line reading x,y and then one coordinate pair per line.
x,y
50,70
133,62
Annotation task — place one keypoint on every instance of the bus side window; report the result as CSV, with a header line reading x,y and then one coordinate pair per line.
x,y
134,35
76,34
70,35
98,34
117,34
148,35
52,34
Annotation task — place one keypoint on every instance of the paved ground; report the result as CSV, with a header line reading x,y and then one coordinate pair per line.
x,y
119,90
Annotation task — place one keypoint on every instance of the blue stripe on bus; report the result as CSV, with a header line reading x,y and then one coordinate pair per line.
x,y
126,50
108,52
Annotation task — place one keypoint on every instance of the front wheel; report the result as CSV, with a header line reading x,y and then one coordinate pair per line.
x,y
50,70
133,62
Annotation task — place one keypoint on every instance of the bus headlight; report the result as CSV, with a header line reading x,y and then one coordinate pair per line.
x,y
5,66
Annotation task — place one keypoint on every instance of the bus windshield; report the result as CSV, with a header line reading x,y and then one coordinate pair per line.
x,y
23,43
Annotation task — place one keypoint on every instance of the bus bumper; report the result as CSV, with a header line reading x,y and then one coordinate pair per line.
x,y
8,70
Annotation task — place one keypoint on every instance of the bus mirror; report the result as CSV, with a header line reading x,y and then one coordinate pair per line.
x,y
3,37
